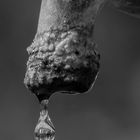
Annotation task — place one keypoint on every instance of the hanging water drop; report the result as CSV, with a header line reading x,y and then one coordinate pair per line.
x,y
44,129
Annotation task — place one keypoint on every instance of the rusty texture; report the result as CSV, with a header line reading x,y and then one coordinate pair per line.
x,y
63,55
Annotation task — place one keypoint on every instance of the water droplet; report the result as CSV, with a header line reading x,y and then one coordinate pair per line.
x,y
44,129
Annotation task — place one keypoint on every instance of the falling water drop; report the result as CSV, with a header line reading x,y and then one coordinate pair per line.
x,y
44,129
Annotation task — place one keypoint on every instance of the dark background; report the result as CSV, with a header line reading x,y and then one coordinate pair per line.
x,y
111,111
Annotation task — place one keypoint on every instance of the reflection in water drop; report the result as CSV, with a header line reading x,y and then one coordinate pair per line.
x,y
44,129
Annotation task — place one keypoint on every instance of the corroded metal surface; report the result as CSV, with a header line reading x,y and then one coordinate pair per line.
x,y
65,61
63,55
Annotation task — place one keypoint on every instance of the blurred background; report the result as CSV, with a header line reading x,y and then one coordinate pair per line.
x,y
111,111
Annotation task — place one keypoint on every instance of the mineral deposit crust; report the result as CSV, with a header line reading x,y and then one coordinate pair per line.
x,y
63,55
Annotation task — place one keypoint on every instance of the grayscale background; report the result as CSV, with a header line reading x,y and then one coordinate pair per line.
x,y
111,111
